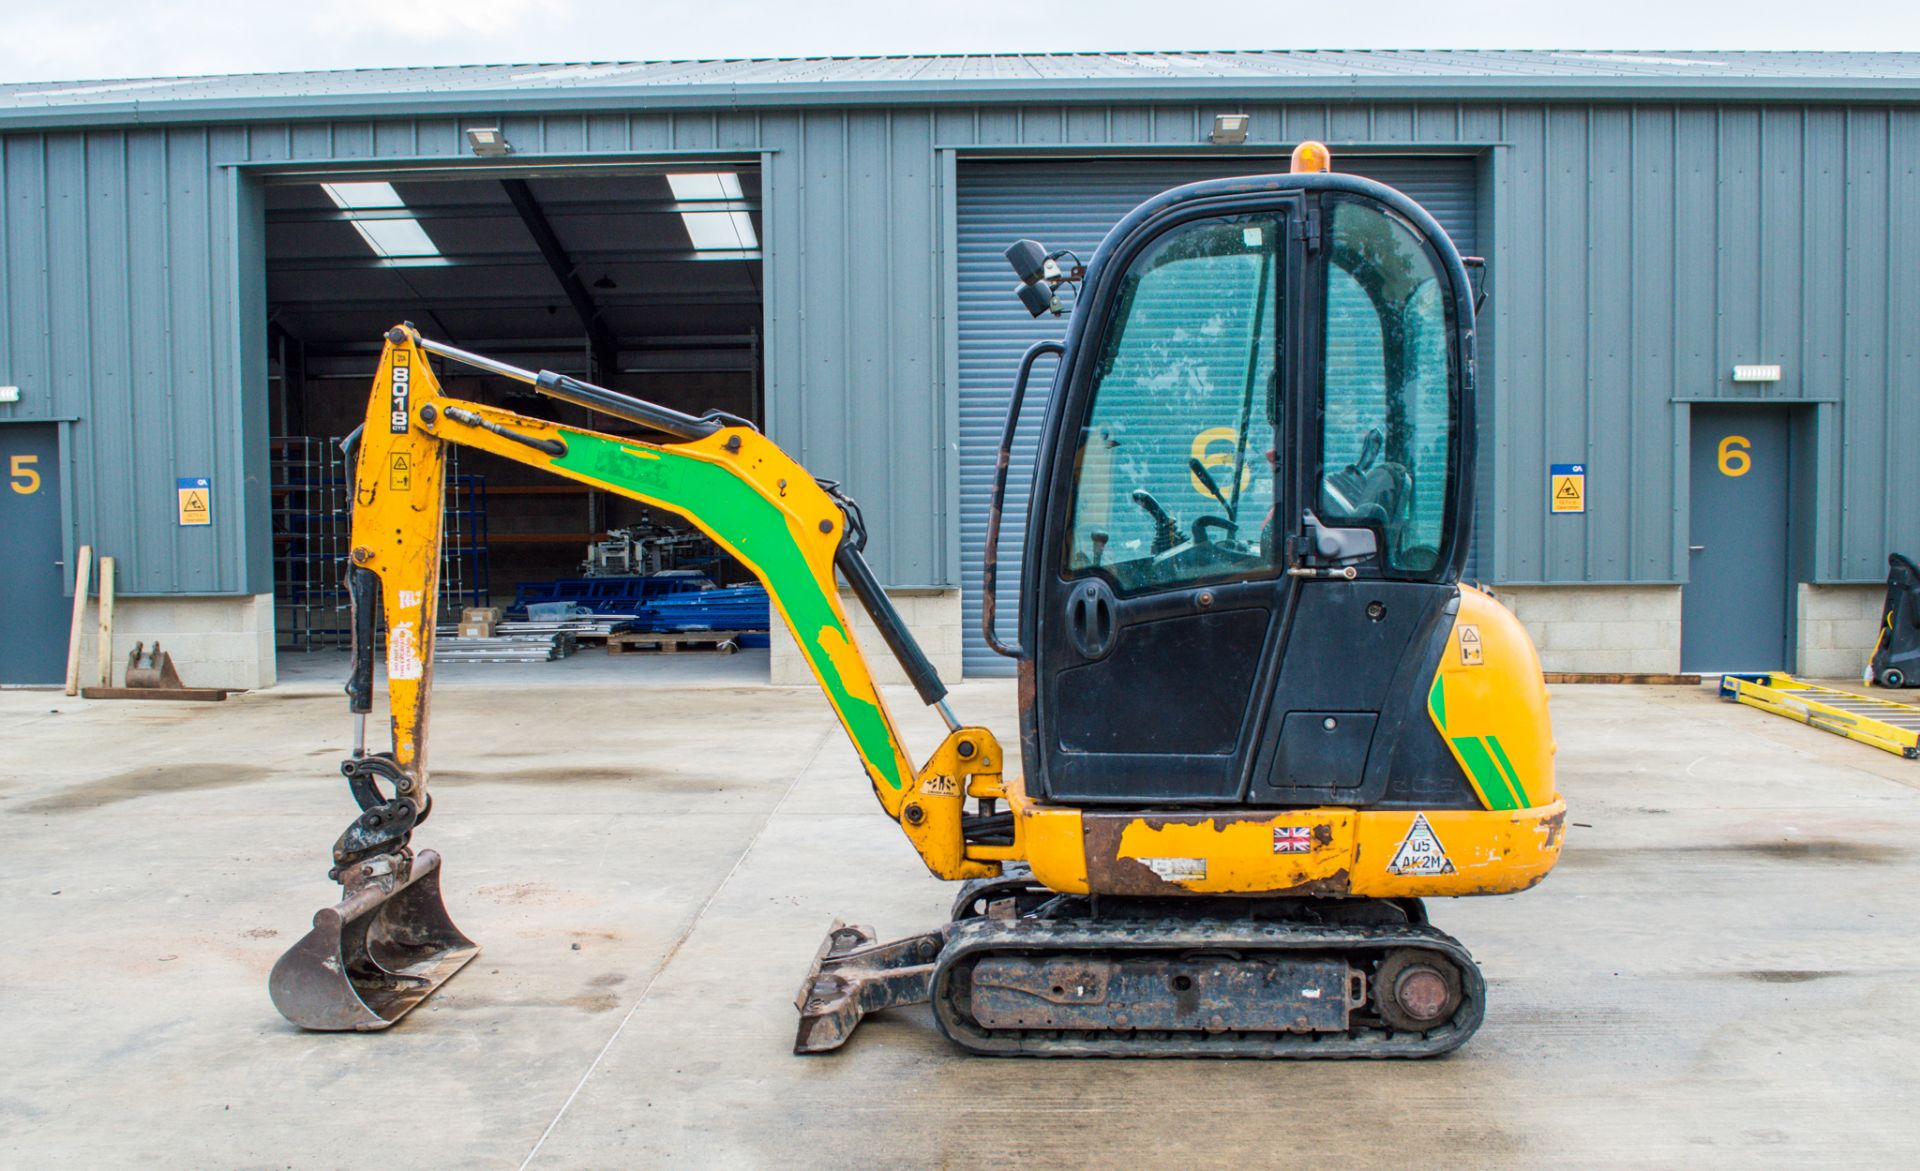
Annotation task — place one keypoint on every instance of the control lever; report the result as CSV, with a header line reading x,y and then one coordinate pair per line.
x,y
1166,531
1369,450
1205,476
1204,523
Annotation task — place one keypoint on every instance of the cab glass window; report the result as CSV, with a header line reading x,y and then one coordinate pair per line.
x,y
1174,476
1386,418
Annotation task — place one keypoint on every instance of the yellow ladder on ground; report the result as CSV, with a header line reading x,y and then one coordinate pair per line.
x,y
1889,726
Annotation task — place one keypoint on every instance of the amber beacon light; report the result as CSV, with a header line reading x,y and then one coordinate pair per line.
x,y
1312,156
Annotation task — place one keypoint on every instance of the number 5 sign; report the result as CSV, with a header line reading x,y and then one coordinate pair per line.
x,y
22,476
1734,460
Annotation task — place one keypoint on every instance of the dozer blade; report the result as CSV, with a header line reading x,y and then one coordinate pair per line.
x,y
385,947
852,976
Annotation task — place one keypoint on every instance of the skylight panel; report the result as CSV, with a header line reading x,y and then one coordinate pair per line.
x,y
713,231
396,237
691,188
359,196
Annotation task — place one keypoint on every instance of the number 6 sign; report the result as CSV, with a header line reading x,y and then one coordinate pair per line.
x,y
1734,460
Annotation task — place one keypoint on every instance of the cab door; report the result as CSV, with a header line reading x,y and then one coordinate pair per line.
x,y
1158,581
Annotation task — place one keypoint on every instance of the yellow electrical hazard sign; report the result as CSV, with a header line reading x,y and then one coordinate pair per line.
x,y
1567,487
196,500
399,471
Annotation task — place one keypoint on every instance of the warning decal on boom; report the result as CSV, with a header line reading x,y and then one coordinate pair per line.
x,y
1420,852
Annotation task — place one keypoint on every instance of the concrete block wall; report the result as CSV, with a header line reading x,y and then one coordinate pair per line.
x,y
214,641
932,615
1630,629
1837,628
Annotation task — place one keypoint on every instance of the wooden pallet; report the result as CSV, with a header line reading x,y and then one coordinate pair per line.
x,y
1621,677
633,641
195,694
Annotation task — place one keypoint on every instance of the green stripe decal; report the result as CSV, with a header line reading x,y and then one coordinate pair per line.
x,y
1486,774
730,507
1437,702
1512,774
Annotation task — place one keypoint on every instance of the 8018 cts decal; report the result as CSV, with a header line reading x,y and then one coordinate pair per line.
x,y
398,404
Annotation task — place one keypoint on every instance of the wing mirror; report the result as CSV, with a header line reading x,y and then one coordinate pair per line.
x,y
1041,276
1038,299
1030,261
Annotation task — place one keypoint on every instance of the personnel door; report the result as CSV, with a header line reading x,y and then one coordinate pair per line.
x,y
1164,582
33,635
1733,611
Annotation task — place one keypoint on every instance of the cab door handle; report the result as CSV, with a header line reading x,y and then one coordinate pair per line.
x,y
1092,623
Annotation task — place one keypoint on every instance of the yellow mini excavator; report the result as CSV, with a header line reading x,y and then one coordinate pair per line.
x,y
1261,719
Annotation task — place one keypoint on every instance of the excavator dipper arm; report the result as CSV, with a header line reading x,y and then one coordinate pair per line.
x,y
726,478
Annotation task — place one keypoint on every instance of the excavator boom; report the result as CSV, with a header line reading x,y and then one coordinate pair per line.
x,y
389,931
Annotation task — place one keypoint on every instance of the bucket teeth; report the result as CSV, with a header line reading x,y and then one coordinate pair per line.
x,y
374,955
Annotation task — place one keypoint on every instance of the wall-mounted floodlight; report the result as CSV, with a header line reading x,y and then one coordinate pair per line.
x,y
1756,373
488,142
1229,129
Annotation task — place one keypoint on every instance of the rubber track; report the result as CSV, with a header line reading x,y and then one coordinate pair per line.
x,y
975,939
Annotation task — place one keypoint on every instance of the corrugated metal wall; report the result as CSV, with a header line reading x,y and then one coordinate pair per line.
x,y
1642,252
120,294
1639,252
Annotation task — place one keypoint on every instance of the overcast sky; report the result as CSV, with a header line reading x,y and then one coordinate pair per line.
x,y
72,39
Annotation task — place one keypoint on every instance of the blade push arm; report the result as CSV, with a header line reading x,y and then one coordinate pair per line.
x,y
732,483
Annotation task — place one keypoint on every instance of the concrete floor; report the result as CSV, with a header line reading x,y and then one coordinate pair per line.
x,y
1713,977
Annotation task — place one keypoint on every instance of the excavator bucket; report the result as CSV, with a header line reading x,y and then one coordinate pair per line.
x,y
385,947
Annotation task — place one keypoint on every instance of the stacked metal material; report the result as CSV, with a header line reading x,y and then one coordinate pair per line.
x,y
504,648
591,626
605,595
735,608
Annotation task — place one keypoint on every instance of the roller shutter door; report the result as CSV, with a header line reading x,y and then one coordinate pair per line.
x,y
1071,205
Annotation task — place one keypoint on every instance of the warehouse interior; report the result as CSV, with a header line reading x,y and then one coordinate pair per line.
x,y
646,281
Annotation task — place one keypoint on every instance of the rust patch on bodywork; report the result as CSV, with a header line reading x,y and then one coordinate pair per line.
x,y
1111,872
1337,884
1108,872
1555,826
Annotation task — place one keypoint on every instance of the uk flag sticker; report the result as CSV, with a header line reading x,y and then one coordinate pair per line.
x,y
1292,839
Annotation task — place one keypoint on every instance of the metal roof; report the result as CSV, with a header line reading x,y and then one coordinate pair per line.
x,y
1251,74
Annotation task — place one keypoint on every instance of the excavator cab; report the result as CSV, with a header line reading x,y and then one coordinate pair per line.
x,y
1250,512
1261,719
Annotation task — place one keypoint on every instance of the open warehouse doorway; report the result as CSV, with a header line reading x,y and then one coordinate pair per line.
x,y
644,280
